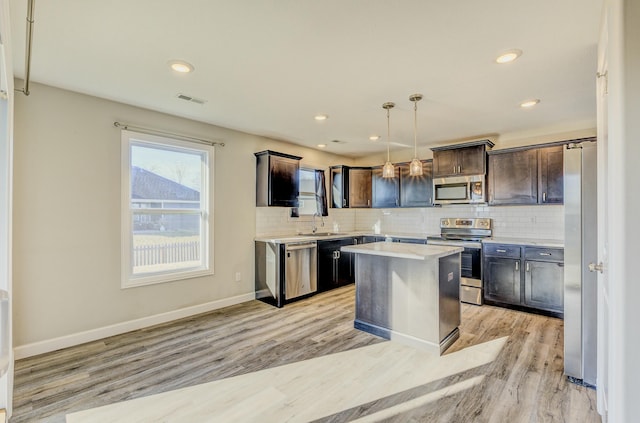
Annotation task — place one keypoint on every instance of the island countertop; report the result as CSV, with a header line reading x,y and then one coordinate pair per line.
x,y
401,250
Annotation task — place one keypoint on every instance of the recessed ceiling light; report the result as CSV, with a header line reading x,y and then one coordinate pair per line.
x,y
181,66
322,145
508,56
374,137
529,103
321,117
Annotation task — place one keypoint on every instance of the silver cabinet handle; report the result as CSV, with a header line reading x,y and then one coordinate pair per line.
x,y
368,202
501,251
517,265
527,267
545,254
396,202
544,197
454,169
344,202
459,169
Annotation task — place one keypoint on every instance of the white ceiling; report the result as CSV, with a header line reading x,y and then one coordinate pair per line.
x,y
268,66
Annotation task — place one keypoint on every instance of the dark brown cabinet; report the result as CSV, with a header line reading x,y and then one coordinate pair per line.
x,y
501,274
543,279
513,177
526,176
461,160
277,179
416,191
385,191
551,171
335,267
350,187
530,278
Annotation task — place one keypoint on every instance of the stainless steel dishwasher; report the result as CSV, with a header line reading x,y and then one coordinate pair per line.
x,y
285,271
300,269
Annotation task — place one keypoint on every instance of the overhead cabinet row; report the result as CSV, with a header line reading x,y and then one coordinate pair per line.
x,y
364,187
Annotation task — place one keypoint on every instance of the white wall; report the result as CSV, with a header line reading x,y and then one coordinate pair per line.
x,y
67,215
624,207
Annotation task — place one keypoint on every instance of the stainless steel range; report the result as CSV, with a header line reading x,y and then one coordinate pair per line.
x,y
467,233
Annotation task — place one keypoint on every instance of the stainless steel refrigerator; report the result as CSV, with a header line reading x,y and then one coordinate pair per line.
x,y
580,285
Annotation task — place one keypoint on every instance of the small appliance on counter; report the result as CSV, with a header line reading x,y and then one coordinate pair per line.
x,y
467,233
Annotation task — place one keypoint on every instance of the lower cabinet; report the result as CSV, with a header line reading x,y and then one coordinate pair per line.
x,y
527,277
335,268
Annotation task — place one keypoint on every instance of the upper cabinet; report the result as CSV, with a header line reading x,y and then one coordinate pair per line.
x,y
277,180
416,191
513,177
350,187
461,160
385,191
526,176
551,171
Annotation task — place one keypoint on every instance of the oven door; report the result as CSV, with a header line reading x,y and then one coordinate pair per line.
x,y
471,265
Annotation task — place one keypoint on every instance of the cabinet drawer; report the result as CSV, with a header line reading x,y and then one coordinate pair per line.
x,y
501,250
544,254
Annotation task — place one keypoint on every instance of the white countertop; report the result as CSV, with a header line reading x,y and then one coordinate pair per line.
x,y
551,243
400,250
283,239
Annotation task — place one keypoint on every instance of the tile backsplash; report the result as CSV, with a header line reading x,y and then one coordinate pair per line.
x,y
277,221
533,222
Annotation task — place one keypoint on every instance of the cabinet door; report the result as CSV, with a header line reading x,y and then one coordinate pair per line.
x,y
385,191
326,267
445,163
544,285
359,187
551,165
338,176
416,191
472,160
513,178
502,280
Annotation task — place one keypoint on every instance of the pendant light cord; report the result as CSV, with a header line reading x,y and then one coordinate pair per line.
x,y
415,129
388,135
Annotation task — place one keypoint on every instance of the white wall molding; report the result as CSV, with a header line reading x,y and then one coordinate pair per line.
x,y
29,350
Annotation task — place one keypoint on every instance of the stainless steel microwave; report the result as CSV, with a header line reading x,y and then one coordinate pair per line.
x,y
459,190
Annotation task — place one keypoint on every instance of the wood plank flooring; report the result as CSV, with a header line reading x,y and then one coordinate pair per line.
x,y
523,384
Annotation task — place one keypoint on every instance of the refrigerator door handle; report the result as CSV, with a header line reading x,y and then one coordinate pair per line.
x,y
596,267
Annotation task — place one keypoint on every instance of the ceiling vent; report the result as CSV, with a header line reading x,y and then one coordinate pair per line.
x,y
191,99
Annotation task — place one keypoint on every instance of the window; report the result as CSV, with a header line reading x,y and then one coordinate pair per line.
x,y
311,198
167,226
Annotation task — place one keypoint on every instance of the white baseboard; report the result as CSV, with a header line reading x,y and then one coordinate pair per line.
x,y
41,347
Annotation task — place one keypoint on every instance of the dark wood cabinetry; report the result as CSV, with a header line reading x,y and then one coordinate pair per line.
x,y
501,273
513,177
551,172
526,176
531,278
335,267
385,191
461,160
350,187
277,179
416,191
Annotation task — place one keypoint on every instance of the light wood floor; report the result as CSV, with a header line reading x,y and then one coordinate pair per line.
x,y
524,383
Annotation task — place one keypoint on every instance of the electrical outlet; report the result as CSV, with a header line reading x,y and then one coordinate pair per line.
x,y
238,277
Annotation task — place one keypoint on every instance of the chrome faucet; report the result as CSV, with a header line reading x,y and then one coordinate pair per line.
x,y
315,227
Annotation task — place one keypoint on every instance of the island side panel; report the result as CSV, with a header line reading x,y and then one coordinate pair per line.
x,y
449,299
398,297
373,298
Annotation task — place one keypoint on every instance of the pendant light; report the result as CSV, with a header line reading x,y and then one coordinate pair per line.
x,y
415,167
388,171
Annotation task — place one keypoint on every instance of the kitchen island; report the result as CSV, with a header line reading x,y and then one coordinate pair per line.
x,y
408,293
